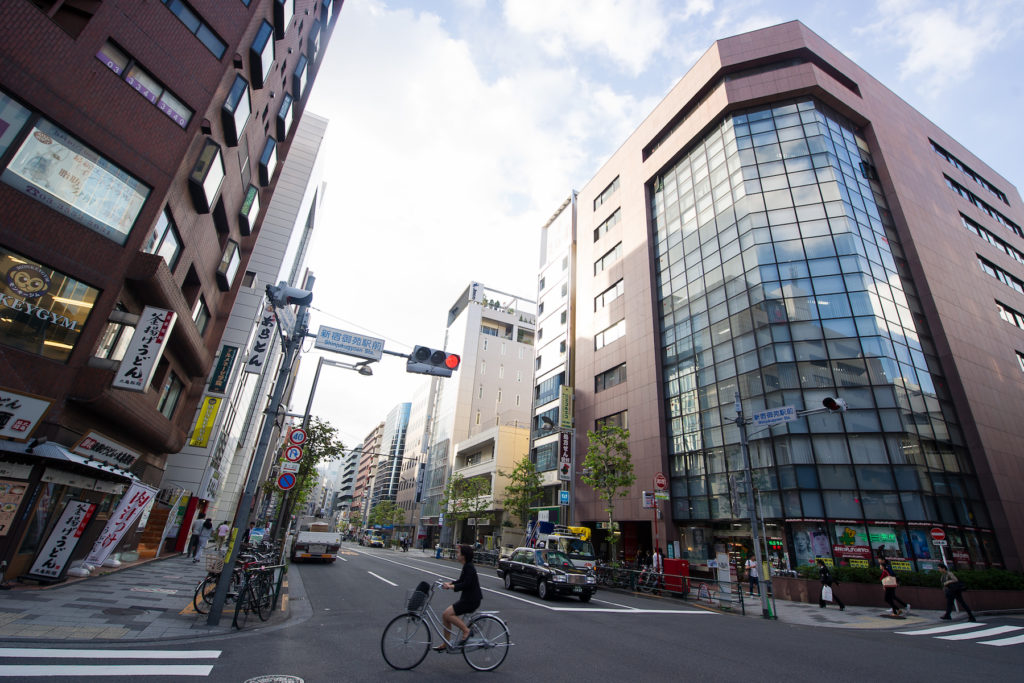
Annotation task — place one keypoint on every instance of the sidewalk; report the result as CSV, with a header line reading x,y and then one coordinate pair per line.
x,y
151,600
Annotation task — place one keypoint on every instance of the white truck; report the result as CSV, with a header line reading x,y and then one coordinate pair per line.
x,y
316,543
574,541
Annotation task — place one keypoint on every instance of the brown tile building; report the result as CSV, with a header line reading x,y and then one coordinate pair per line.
x,y
784,226
137,142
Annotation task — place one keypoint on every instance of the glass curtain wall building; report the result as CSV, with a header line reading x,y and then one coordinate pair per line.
x,y
777,280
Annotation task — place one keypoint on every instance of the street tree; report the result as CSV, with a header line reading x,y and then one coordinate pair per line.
x,y
523,490
465,498
608,469
386,513
355,519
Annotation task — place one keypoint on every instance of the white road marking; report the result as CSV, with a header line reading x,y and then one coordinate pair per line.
x,y
1015,640
34,671
378,576
625,609
982,634
108,654
940,629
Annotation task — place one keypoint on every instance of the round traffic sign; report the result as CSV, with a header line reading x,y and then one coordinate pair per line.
x,y
297,436
286,481
660,482
938,534
293,454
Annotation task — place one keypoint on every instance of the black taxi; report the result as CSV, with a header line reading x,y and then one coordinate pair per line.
x,y
548,571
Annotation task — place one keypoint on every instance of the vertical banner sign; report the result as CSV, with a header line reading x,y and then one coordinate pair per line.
x,y
222,371
52,560
564,456
205,421
147,345
261,344
565,407
128,510
172,518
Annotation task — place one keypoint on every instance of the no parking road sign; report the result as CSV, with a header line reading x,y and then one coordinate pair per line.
x,y
286,481
293,454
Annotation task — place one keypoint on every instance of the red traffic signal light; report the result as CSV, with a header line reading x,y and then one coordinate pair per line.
x,y
834,405
427,361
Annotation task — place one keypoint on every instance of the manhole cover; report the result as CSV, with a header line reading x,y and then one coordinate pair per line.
x,y
275,678
123,611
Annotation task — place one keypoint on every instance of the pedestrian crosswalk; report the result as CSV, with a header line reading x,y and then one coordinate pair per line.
x,y
973,631
23,662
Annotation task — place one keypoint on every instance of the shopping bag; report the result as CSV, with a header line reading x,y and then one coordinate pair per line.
x,y
826,593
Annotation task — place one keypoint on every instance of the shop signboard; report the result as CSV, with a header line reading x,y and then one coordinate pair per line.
x,y
145,349
208,411
20,414
11,493
261,343
565,407
564,456
222,371
95,446
52,561
648,498
128,510
851,541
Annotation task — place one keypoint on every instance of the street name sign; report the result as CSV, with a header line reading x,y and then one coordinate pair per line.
x,y
774,416
349,343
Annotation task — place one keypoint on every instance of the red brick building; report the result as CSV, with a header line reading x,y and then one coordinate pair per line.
x,y
138,141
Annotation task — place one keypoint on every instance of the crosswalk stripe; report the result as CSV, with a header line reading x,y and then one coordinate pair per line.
x,y
1015,640
982,634
38,670
108,654
940,629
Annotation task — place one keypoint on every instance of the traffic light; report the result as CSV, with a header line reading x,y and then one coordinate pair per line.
x,y
432,362
284,295
834,405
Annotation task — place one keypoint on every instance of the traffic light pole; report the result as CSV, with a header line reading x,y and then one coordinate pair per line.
x,y
291,348
741,422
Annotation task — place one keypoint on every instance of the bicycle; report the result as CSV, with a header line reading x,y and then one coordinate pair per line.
x,y
649,580
203,597
406,639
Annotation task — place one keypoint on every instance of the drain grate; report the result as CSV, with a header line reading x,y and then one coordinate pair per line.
x,y
275,678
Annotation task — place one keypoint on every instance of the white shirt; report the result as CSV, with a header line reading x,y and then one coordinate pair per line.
x,y
656,562
751,566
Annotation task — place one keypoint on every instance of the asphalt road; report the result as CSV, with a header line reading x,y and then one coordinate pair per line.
x,y
340,610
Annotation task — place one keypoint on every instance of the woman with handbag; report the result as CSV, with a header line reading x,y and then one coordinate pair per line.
x,y
889,582
954,589
828,593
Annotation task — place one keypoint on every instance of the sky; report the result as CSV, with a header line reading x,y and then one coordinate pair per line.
x,y
458,127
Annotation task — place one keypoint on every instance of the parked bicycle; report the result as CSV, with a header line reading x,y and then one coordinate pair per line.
x,y
406,639
649,581
252,588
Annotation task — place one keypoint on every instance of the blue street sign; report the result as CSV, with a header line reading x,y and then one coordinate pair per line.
x,y
563,497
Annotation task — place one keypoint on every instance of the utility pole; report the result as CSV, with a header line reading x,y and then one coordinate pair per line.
x,y
741,422
292,345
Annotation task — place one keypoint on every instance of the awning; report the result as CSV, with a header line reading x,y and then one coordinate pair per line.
x,y
54,451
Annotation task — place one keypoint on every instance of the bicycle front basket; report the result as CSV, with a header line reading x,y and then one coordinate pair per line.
x,y
418,598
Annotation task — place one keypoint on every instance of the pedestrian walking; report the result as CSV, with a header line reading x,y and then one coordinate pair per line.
x,y
204,538
222,534
828,584
752,577
657,563
248,532
890,582
954,590
197,527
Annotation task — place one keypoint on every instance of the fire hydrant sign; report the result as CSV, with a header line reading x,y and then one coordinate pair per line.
x,y
128,510
52,560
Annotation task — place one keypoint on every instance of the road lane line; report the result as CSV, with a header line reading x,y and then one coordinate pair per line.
x,y
1015,640
381,578
940,629
107,654
982,634
77,670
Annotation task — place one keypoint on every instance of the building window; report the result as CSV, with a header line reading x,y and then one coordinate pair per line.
x,y
197,26
562,318
115,339
201,315
268,161
299,78
70,15
992,239
983,206
228,267
164,240
478,417
610,378
483,367
1020,361
56,169
499,395
1010,315
284,117
610,334
540,285
517,395
207,176
250,211
606,193
261,55
989,187
607,224
536,362
540,308
609,295
501,372
484,344
610,257
236,110
546,457
480,393
503,348
561,347
169,395
283,12
1001,275
118,61
548,390
613,420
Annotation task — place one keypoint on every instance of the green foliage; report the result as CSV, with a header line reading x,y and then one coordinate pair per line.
x,y
464,498
322,446
978,579
608,469
386,513
523,490
355,518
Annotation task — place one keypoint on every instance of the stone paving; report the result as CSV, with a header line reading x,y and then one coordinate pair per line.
x,y
148,601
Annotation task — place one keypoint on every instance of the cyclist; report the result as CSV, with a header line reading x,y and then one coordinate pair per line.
x,y
468,584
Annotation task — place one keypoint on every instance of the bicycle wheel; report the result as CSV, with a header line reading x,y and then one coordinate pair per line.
x,y
203,598
247,601
488,643
405,641
265,598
